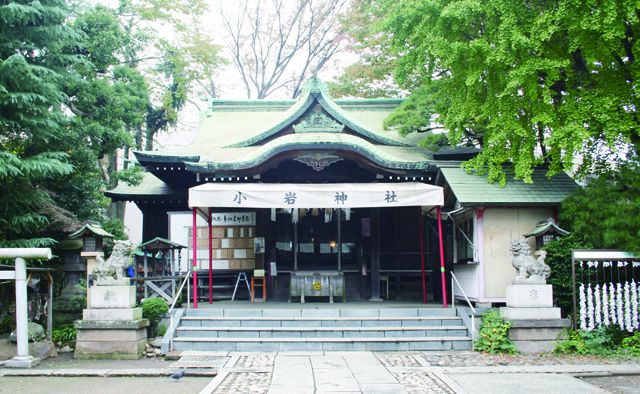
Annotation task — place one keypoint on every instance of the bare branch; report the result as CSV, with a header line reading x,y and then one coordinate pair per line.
x,y
269,40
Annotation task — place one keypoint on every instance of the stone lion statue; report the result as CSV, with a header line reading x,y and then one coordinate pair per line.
x,y
530,270
111,272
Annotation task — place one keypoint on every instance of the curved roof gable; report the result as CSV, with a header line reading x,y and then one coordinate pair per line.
x,y
314,93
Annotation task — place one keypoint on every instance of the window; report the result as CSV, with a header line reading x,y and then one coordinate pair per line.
x,y
464,233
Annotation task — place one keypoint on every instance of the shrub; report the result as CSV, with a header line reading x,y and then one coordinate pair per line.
x,y
493,337
601,341
632,344
154,308
162,329
64,335
559,260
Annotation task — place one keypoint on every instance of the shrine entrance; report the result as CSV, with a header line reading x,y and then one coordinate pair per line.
x,y
316,247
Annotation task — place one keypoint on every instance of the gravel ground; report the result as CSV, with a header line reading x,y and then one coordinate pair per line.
x,y
616,384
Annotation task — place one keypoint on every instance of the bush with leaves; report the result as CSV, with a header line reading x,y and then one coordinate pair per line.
x,y
632,344
493,337
600,342
64,335
559,260
154,309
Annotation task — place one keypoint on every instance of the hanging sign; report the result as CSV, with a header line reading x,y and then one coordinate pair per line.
x,y
306,195
234,219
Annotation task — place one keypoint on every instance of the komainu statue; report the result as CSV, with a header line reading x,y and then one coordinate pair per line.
x,y
530,270
111,272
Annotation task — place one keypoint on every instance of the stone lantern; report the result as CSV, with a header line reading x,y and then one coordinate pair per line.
x,y
546,231
93,236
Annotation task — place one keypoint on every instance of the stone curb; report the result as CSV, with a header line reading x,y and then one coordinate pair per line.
x,y
104,372
575,370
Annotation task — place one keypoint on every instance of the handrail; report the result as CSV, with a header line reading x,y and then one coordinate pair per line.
x,y
473,311
173,304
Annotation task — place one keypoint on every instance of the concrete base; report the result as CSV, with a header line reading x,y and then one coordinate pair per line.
x,y
112,314
112,297
22,362
111,339
537,336
509,313
529,296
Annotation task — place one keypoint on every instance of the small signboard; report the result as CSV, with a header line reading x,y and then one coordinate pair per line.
x,y
234,219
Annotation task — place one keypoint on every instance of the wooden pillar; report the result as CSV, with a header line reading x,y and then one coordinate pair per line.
x,y
195,258
210,220
442,273
421,235
375,255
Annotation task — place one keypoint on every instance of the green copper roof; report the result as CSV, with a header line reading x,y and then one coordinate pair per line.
x,y
400,157
546,226
93,228
315,91
475,190
149,187
160,243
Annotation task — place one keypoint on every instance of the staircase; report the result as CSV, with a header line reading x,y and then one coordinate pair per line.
x,y
343,329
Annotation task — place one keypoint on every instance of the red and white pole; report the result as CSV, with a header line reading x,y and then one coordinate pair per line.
x,y
444,282
195,259
210,256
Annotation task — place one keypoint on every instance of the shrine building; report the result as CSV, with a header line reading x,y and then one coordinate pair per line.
x,y
318,200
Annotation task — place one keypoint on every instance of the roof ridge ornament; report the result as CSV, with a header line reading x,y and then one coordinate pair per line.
x,y
318,122
318,160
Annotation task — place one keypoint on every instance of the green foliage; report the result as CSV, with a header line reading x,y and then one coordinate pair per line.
x,y
632,344
162,329
493,336
531,82
6,324
64,335
605,212
601,341
154,309
559,260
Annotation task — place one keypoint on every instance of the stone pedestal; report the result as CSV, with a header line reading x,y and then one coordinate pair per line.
x,y
535,324
111,327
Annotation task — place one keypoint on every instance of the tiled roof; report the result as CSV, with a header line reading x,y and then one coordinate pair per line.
x,y
471,189
148,188
400,157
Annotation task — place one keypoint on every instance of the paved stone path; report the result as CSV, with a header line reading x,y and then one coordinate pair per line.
x,y
344,372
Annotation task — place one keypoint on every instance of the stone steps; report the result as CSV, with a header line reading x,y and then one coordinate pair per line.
x,y
325,343
319,332
322,328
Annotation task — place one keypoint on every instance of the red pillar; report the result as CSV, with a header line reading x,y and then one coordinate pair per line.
x,y
195,259
424,278
210,258
444,282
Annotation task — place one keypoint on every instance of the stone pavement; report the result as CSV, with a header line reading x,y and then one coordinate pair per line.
x,y
348,372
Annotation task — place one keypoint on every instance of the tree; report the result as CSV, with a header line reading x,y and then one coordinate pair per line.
x,y
371,76
277,46
531,82
174,68
34,53
605,212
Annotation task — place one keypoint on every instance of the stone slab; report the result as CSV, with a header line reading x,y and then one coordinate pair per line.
x,y
110,350
541,323
112,314
112,297
535,346
529,296
22,362
112,335
508,383
111,324
534,334
509,313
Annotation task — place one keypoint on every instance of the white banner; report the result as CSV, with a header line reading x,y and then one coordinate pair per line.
x,y
306,195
